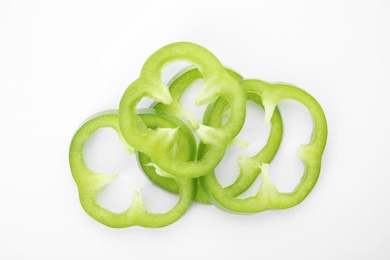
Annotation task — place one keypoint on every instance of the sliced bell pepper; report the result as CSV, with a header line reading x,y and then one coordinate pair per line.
x,y
268,197
217,83
89,183
167,150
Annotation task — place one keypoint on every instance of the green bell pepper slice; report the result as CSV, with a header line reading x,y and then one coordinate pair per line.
x,y
89,183
268,197
217,83
213,117
177,86
249,169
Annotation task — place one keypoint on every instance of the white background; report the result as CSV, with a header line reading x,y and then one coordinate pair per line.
x,y
61,61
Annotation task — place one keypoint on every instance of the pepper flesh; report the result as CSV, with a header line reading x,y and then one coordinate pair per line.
x,y
217,83
90,183
268,197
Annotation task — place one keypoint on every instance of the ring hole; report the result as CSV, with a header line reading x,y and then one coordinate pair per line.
x,y
172,70
188,100
145,102
286,170
254,130
103,153
228,169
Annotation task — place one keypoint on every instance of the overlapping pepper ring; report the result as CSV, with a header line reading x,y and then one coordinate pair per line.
x,y
217,83
90,183
268,197
247,175
167,150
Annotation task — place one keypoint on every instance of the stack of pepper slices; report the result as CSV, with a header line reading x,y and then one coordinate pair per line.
x,y
162,137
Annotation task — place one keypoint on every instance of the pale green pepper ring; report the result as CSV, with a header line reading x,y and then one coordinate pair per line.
x,y
268,197
217,83
217,109
90,183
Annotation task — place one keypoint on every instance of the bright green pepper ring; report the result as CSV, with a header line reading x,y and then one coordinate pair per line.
x,y
213,117
177,86
249,169
89,183
166,182
268,197
217,83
